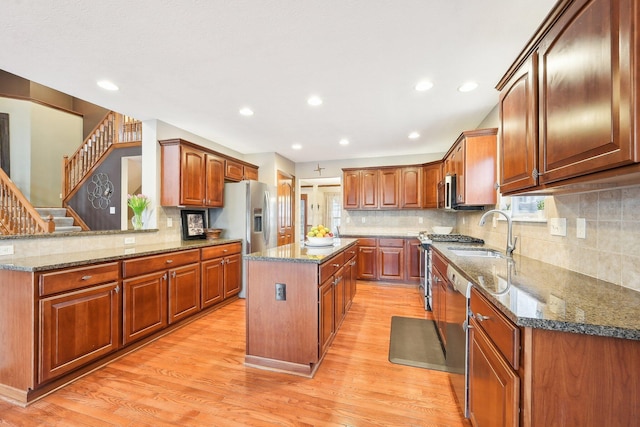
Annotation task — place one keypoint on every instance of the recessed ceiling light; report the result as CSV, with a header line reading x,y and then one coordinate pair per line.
x,y
246,111
344,141
296,146
314,100
468,86
107,85
423,85
414,135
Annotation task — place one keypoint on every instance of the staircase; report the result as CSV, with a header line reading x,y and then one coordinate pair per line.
x,y
64,223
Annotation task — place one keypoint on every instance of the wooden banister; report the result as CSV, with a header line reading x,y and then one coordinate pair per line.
x,y
114,128
17,216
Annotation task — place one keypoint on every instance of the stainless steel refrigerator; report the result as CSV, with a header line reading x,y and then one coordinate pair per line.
x,y
249,213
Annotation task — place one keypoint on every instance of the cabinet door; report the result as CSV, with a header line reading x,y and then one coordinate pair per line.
x,y
438,302
233,171
414,271
184,292
391,263
411,188
348,275
431,176
144,305
389,185
367,263
458,168
494,388
327,319
587,114
339,297
77,328
214,176
351,189
232,275
518,143
250,173
369,189
212,275
192,183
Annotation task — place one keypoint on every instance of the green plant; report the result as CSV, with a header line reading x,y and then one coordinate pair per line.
x,y
540,205
138,203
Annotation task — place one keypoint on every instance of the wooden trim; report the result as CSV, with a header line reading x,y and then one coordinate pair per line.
x,y
179,141
43,103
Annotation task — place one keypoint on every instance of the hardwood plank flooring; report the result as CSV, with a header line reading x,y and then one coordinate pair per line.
x,y
196,377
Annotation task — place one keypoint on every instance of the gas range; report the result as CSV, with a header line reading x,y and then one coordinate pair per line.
x,y
427,239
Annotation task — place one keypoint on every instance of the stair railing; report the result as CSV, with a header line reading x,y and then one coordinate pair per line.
x,y
114,128
17,216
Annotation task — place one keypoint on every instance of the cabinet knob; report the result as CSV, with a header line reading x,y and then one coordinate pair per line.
x,y
117,289
496,186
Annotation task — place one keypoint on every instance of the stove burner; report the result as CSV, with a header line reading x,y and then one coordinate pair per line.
x,y
458,238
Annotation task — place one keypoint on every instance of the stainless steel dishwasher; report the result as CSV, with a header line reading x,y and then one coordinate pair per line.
x,y
457,351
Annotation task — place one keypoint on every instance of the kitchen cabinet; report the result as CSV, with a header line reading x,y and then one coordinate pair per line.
x,y
350,276
158,290
190,176
326,307
369,189
411,187
79,318
235,170
389,184
367,258
585,137
414,265
397,187
221,272
439,295
391,259
431,177
472,159
351,189
494,384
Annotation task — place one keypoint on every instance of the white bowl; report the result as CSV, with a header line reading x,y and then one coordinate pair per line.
x,y
320,241
442,230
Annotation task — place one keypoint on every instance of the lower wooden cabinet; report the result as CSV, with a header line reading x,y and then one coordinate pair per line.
x,y
184,292
389,259
77,328
221,273
367,259
144,306
326,317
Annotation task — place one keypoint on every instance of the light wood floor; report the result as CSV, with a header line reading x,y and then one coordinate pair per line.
x,y
196,377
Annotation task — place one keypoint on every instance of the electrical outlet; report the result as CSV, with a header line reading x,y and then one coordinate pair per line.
x,y
169,222
581,228
129,251
558,226
112,210
6,250
129,240
364,220
281,292
420,220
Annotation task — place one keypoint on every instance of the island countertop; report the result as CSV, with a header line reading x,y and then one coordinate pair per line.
x,y
540,295
297,252
75,259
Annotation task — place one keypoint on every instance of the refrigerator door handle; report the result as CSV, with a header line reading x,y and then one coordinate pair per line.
x,y
267,219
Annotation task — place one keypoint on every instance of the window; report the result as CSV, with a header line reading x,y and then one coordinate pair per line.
x,y
524,208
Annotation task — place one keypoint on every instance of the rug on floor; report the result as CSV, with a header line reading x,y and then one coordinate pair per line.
x,y
414,342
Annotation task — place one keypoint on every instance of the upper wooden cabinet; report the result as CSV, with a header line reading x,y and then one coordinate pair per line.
x,y
383,188
431,177
472,160
579,77
194,176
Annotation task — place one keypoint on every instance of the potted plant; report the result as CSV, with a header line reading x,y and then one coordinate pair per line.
x,y
540,206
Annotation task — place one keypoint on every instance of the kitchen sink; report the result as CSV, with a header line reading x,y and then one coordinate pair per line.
x,y
476,252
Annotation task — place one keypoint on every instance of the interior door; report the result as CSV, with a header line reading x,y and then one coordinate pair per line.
x,y
286,208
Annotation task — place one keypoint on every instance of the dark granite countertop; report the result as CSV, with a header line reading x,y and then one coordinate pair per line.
x,y
395,235
74,259
540,295
296,252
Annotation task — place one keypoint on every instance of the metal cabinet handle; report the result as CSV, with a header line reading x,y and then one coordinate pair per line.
x,y
169,261
117,289
336,265
481,318
86,277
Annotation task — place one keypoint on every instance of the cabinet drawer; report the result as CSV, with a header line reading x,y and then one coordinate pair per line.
x,y
76,278
221,250
439,262
367,241
391,243
149,264
504,333
350,253
329,267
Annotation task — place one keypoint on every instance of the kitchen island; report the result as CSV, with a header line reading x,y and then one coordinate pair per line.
x,y
297,297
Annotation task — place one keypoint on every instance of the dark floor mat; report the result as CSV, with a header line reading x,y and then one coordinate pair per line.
x,y
414,342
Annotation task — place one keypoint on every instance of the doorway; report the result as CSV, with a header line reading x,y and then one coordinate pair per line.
x,y
131,184
323,203
286,208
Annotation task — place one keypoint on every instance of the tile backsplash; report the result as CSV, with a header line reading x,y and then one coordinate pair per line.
x,y
610,251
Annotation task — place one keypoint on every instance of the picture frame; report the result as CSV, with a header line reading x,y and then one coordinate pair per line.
x,y
193,224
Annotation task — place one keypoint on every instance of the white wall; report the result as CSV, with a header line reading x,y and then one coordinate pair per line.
x,y
20,141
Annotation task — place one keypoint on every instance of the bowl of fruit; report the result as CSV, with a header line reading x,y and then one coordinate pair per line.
x,y
319,235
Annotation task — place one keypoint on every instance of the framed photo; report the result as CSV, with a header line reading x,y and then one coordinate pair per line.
x,y
193,225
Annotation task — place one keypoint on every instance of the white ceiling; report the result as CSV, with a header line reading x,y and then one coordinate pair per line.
x,y
194,64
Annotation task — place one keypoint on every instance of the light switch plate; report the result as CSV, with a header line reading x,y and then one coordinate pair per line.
x,y
558,226
169,222
129,240
6,250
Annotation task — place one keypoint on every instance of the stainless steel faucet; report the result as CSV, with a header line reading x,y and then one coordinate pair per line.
x,y
511,245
